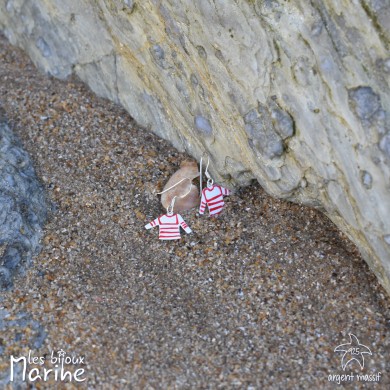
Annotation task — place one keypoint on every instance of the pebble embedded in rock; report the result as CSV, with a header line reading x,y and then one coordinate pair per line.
x,y
364,102
366,179
203,125
384,144
43,47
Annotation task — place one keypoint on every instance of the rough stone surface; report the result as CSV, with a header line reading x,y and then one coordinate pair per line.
x,y
19,324
293,94
22,207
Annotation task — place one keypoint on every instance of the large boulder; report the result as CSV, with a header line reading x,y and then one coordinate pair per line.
x,y
23,207
294,94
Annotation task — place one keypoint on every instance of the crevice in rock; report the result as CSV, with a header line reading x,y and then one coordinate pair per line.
x,y
330,27
116,76
375,23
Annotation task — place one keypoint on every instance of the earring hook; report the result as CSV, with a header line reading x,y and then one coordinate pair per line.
x,y
174,185
210,181
200,175
171,206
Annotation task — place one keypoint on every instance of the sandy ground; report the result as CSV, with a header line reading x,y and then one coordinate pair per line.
x,y
258,298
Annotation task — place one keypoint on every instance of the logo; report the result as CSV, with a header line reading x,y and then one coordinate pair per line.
x,y
59,367
352,351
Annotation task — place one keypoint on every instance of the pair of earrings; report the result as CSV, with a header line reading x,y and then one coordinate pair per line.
x,y
211,196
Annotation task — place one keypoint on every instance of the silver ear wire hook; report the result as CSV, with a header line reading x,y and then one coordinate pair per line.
x,y
171,206
187,193
210,181
200,176
206,172
173,186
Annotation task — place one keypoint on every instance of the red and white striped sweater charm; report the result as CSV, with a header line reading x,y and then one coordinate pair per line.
x,y
169,224
212,195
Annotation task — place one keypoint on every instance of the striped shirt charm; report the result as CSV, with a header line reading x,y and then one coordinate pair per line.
x,y
169,226
213,197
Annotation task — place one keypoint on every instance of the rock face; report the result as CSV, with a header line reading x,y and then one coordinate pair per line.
x,y
292,94
22,207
